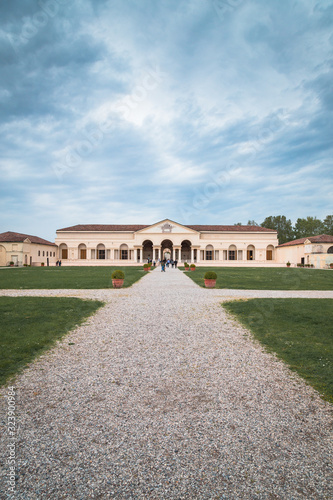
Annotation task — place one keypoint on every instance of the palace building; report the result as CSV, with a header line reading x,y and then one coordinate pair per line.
x,y
96,244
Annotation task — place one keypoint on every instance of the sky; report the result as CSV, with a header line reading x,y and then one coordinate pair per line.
x,y
128,111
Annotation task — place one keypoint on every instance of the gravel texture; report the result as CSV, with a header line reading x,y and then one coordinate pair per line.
x,y
161,395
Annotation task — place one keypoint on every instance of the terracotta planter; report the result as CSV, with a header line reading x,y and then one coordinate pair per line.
x,y
149,268
331,266
192,268
117,283
187,268
145,268
210,283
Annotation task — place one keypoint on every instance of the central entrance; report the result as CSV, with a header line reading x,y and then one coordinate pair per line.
x,y
167,250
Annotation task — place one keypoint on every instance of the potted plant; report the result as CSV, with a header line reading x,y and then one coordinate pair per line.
x,y
210,279
145,267
11,263
186,265
117,279
42,264
192,267
331,265
288,264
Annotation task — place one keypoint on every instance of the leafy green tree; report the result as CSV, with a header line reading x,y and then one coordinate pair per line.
x,y
252,223
282,225
311,226
328,225
238,224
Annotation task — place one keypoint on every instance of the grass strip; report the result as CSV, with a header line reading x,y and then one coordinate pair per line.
x,y
299,331
72,277
31,325
266,278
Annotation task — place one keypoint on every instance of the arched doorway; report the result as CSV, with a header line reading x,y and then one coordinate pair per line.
x,y
63,251
82,251
330,250
186,251
250,253
147,250
270,252
166,249
101,251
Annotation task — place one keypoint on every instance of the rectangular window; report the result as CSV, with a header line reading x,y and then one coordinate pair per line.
x,y
232,255
217,254
43,253
38,253
209,255
101,254
124,255
47,254
240,254
225,255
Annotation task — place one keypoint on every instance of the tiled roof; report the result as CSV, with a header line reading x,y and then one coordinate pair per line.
x,y
105,227
232,228
11,237
322,238
138,227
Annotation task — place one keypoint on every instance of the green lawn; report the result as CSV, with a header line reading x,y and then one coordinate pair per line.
x,y
65,277
30,325
263,278
299,331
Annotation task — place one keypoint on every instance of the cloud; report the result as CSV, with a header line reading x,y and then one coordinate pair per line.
x,y
119,112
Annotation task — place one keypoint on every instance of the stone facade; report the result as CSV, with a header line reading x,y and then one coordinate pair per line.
x,y
25,249
134,244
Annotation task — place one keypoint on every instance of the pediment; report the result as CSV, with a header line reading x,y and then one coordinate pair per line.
x,y
26,240
167,226
307,242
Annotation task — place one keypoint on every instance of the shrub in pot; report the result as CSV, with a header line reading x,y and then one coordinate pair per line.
x,y
11,263
186,265
145,267
288,264
117,279
210,279
192,266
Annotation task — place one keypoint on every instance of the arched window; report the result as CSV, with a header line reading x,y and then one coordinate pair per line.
x,y
123,251
330,250
250,253
101,251
82,251
232,252
209,252
270,252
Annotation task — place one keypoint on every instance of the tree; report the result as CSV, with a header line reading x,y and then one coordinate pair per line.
x,y
252,223
238,224
282,225
311,226
328,225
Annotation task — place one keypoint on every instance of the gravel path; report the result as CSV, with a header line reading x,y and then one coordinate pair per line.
x,y
162,396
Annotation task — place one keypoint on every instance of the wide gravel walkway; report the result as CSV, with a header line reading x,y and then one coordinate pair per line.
x,y
162,396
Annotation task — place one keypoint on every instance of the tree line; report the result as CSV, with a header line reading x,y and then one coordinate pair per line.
x,y
310,226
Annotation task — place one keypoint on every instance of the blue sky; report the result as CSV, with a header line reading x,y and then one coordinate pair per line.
x,y
201,111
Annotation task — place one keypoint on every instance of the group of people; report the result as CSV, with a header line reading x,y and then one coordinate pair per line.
x,y
58,263
168,262
164,263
